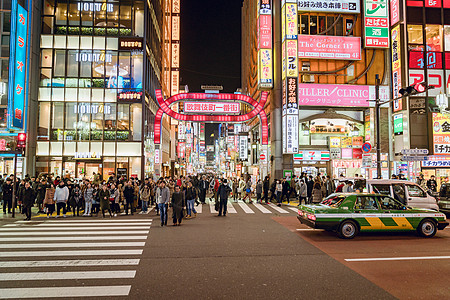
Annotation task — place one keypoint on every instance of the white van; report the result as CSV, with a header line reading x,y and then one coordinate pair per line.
x,y
407,192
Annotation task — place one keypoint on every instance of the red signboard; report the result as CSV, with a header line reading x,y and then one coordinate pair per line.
x,y
265,31
428,3
395,12
329,47
416,61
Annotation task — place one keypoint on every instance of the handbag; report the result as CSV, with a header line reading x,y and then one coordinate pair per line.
x,y
248,190
216,206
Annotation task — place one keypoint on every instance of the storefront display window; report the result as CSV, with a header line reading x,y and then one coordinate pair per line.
x,y
415,34
123,117
135,167
56,167
136,121
44,121
109,164
447,37
434,38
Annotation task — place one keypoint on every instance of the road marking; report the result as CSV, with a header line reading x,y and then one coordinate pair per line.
x,y
69,263
67,275
73,253
230,208
75,233
199,208
212,209
92,224
72,245
293,208
397,258
70,228
278,209
245,207
309,229
72,238
65,292
89,219
262,208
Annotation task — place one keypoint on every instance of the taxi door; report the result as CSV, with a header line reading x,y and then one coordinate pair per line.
x,y
393,215
366,212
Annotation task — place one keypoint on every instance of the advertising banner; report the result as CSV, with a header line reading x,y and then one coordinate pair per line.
x,y
395,11
291,21
398,123
265,72
292,96
329,47
265,32
396,67
312,155
376,23
441,134
291,58
332,6
292,134
211,107
339,95
435,78
243,147
265,7
18,63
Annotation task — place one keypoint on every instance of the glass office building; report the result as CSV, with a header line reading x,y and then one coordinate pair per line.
x,y
100,64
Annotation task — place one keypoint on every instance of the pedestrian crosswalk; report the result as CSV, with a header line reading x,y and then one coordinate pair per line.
x,y
70,258
246,208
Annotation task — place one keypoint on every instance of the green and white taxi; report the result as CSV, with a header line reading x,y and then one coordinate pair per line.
x,y
349,214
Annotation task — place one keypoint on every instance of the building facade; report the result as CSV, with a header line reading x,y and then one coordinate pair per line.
x,y
100,63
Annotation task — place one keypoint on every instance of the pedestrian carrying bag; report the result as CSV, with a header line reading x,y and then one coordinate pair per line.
x,y
216,206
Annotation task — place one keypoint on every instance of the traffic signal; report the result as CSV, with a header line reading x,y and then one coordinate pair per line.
x,y
414,89
21,141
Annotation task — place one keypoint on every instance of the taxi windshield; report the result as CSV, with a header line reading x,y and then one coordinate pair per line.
x,y
333,200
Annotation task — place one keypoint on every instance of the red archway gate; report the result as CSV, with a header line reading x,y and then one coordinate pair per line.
x,y
258,110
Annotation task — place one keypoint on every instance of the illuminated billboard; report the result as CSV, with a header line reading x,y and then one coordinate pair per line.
x,y
265,53
211,107
331,6
329,47
18,67
265,72
376,23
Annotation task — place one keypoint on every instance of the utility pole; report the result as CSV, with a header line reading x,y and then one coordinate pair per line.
x,y
377,123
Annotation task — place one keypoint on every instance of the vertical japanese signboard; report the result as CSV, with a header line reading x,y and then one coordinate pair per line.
x,y
290,75
265,53
243,147
395,11
376,23
396,67
18,67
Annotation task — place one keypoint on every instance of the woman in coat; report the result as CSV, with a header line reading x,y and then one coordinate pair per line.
x,y
49,202
317,192
302,192
104,200
145,197
178,204
278,192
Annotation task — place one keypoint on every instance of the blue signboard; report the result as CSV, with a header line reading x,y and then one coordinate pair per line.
x,y
18,67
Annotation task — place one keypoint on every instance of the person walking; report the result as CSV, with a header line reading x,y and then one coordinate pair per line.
x,y
128,194
259,190
76,200
317,192
235,189
104,200
286,190
223,192
330,186
191,195
309,188
248,191
145,197
7,195
88,198
61,197
162,199
49,202
241,189
28,200
40,194
302,192
178,203
278,192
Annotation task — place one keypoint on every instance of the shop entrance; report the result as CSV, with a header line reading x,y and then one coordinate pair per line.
x,y
88,169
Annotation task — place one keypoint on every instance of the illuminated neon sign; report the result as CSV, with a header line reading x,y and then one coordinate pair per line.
x,y
18,67
165,109
211,107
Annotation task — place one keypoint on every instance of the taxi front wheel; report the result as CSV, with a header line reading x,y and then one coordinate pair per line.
x,y
348,229
427,228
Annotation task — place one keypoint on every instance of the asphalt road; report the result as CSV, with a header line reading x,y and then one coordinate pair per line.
x,y
245,255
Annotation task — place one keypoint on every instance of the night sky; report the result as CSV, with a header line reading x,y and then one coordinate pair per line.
x,y
211,43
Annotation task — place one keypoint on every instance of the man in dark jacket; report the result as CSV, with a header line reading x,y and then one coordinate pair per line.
x,y
223,192
309,188
286,190
28,197
128,194
203,186
40,193
7,195
266,186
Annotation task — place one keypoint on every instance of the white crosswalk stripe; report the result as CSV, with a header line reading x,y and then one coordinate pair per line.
x,y
262,208
199,208
278,209
230,208
39,244
245,208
